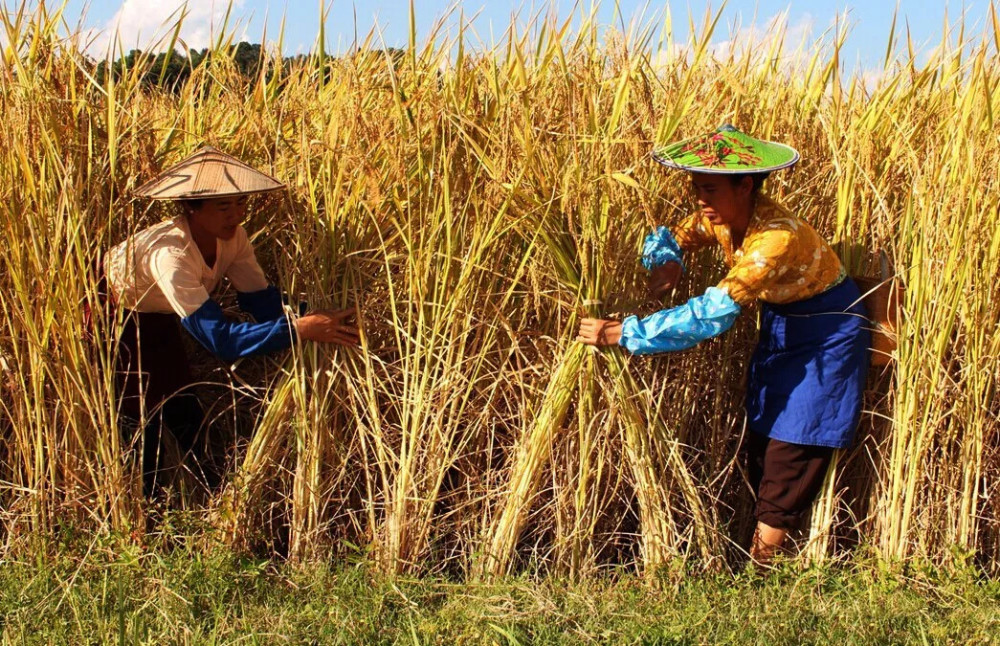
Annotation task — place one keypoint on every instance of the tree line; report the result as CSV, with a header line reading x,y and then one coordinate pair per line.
x,y
172,68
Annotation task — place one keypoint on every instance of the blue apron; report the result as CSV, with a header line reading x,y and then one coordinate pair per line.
x,y
807,375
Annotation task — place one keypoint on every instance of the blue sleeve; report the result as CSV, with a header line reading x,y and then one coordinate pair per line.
x,y
659,248
681,327
263,305
231,341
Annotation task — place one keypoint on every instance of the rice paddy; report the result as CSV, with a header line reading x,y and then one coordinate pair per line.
x,y
474,203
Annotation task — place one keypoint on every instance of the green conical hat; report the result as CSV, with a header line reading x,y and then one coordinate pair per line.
x,y
727,150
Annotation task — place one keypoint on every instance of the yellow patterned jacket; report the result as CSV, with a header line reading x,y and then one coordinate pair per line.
x,y
782,258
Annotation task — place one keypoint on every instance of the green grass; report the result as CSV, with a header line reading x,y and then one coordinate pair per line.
x,y
112,591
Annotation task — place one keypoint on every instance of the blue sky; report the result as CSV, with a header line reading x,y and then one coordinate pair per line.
x,y
140,21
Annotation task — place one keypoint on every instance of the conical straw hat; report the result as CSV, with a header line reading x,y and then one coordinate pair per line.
x,y
205,174
726,151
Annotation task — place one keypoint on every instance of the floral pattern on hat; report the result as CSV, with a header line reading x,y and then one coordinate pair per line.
x,y
727,150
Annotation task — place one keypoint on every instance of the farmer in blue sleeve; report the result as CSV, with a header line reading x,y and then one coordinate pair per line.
x,y
164,275
806,377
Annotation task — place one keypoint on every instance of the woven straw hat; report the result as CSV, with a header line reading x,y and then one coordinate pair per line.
x,y
207,173
726,151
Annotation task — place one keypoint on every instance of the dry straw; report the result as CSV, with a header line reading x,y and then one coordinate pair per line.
x,y
473,203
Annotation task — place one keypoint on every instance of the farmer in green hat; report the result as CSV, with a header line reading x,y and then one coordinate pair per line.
x,y
807,374
162,278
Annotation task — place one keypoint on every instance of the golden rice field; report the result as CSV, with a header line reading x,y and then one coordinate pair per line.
x,y
474,203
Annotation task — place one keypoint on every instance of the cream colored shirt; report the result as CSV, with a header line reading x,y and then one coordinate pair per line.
x,y
160,269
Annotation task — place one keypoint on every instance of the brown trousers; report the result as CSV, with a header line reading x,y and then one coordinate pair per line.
x,y
786,478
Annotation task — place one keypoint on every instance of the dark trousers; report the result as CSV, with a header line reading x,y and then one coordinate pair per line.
x,y
786,478
153,373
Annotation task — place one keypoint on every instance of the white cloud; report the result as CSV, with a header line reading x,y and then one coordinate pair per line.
x,y
758,41
755,41
667,57
4,40
148,25
871,78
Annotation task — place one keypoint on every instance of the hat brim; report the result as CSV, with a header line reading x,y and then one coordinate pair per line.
x,y
203,195
726,151
207,174
712,170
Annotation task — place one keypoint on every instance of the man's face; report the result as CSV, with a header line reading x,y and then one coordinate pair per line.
x,y
220,216
719,199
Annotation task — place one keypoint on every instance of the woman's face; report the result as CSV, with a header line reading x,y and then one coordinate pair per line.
x,y
720,200
220,216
